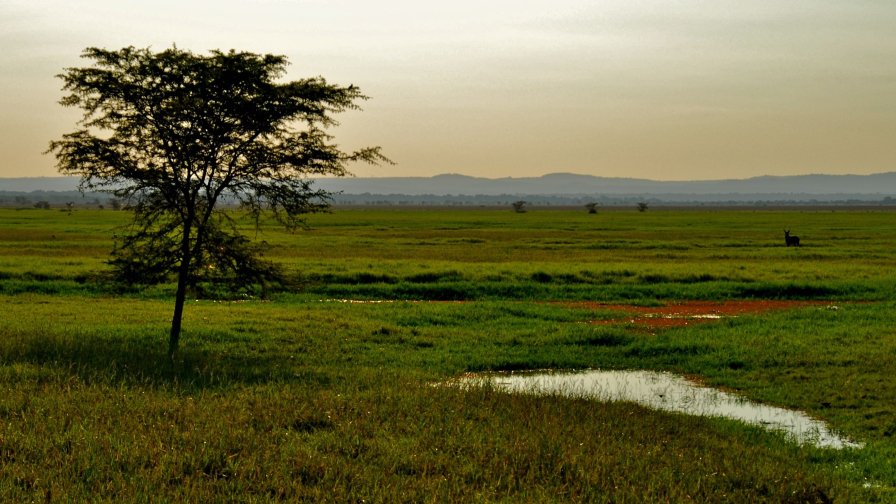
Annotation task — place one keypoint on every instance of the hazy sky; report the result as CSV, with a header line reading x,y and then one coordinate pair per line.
x,y
661,89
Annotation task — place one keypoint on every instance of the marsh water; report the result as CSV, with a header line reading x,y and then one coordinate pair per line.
x,y
665,391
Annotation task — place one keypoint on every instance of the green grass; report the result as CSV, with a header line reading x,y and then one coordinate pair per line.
x,y
305,397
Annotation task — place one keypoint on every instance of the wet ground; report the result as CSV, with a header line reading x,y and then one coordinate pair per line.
x,y
669,392
685,313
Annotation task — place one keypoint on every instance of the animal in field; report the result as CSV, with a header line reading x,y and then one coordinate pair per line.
x,y
791,240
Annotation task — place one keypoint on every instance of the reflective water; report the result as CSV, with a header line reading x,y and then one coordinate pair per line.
x,y
665,391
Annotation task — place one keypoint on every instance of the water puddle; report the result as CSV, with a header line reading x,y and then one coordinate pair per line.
x,y
665,391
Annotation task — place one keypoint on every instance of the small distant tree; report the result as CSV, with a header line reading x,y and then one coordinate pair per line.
x,y
175,133
43,205
519,206
115,203
642,206
592,207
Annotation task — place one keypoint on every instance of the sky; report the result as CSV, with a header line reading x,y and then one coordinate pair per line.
x,y
657,89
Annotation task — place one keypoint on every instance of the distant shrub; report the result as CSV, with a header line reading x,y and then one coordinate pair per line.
x,y
542,277
433,277
610,339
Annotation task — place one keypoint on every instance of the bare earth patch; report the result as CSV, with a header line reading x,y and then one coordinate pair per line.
x,y
691,312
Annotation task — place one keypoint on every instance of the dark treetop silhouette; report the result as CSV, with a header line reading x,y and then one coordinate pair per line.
x,y
174,133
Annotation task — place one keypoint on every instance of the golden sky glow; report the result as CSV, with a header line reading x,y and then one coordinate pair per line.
x,y
658,89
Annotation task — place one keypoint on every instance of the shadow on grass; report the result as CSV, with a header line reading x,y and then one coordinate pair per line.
x,y
142,362
802,291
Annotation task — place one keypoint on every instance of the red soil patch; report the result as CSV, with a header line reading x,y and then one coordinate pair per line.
x,y
690,312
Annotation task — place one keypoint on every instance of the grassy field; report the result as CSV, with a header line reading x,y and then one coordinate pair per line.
x,y
304,396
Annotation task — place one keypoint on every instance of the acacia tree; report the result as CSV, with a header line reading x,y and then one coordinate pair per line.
x,y
174,134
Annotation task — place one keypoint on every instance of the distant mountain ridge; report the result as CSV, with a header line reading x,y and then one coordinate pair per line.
x,y
878,186
572,184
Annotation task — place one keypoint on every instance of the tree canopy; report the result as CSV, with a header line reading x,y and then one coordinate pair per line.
x,y
175,134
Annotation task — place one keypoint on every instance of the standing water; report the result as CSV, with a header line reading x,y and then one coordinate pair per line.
x,y
665,391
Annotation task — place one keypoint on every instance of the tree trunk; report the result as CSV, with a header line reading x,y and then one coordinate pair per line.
x,y
183,276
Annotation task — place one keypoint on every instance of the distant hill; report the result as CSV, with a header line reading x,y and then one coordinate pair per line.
x,y
31,184
556,188
883,184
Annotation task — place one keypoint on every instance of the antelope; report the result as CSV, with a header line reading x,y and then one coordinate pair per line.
x,y
791,240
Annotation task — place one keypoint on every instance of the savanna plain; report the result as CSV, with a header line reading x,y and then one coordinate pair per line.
x,y
327,388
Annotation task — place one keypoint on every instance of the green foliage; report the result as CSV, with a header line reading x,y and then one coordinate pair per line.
x,y
228,265
177,134
187,130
